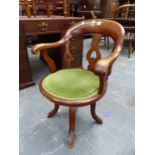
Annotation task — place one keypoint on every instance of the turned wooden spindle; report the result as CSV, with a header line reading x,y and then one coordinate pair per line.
x,y
34,8
27,8
47,8
66,7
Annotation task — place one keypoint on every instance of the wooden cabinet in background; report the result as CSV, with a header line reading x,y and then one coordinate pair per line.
x,y
44,7
100,8
42,26
112,6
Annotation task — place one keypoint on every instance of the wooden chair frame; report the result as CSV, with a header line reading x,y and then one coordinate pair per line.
x,y
100,66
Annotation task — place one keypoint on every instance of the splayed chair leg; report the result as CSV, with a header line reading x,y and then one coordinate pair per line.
x,y
54,111
94,115
70,139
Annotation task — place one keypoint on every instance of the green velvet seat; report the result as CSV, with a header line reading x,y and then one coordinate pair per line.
x,y
71,84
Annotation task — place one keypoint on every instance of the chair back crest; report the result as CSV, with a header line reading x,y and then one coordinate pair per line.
x,y
97,27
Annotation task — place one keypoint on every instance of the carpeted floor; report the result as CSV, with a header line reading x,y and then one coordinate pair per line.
x,y
40,135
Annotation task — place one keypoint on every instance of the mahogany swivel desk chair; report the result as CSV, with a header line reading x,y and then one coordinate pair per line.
x,y
77,87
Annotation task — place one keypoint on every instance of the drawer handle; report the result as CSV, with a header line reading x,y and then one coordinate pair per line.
x,y
72,22
95,7
43,26
84,6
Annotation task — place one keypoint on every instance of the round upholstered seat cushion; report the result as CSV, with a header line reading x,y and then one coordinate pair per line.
x,y
71,84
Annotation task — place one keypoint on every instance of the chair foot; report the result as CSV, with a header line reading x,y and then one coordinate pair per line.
x,y
94,115
70,139
53,112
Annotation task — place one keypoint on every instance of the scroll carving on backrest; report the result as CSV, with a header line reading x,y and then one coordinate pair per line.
x,y
94,49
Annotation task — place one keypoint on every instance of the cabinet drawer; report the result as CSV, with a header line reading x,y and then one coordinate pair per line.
x,y
47,26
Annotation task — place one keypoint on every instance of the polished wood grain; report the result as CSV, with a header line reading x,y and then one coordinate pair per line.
x,y
102,67
94,115
49,61
54,111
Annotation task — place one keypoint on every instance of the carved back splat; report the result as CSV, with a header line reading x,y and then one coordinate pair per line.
x,y
94,48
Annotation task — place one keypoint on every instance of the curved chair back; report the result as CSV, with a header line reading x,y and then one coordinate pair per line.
x,y
98,27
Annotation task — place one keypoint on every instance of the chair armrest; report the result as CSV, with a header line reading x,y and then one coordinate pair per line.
x,y
38,47
103,66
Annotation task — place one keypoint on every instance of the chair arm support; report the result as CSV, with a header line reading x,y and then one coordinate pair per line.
x,y
104,65
39,47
